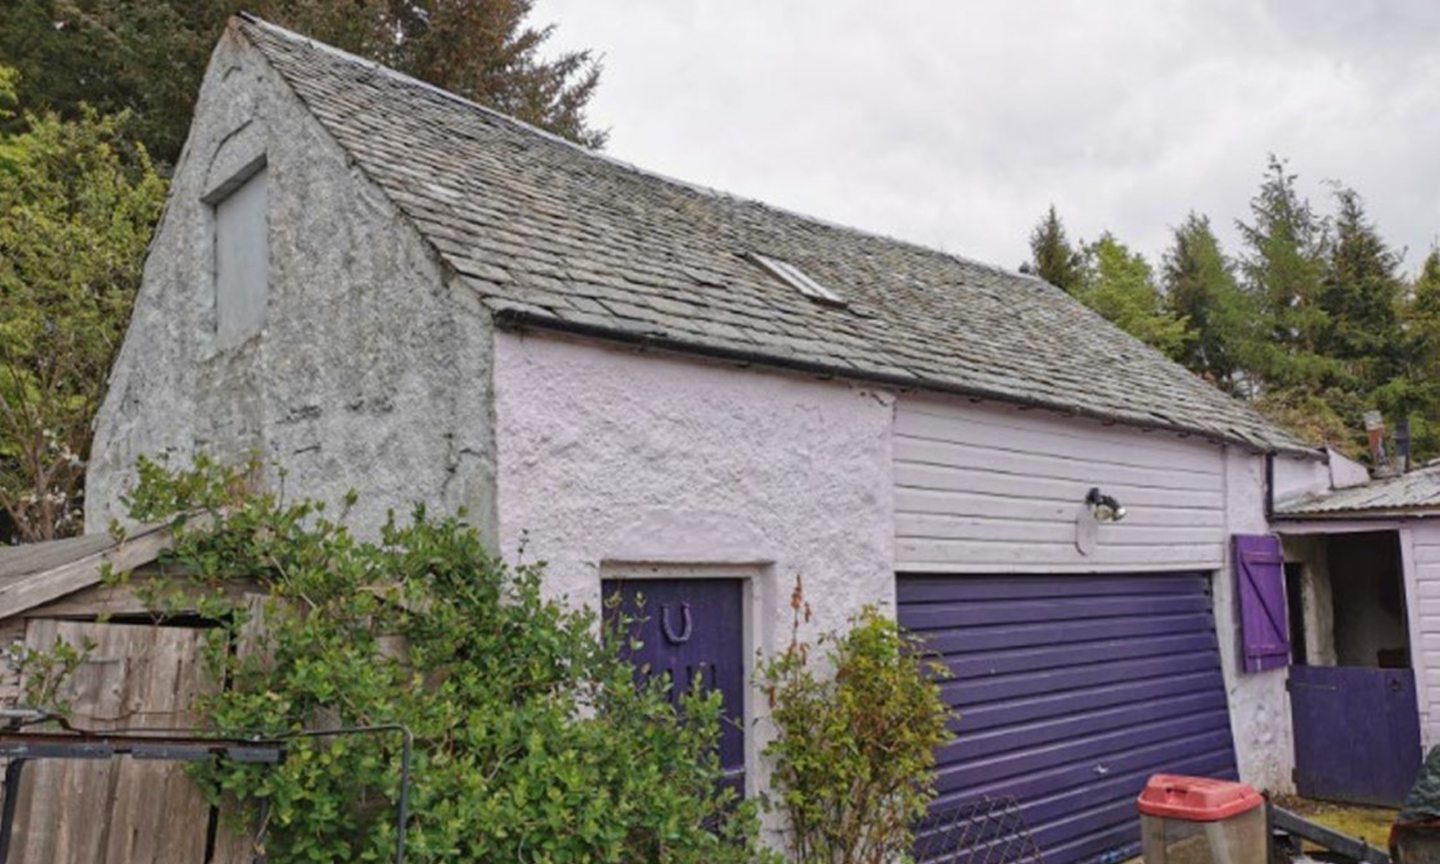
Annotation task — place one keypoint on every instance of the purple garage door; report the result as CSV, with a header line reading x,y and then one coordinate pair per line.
x,y
1073,690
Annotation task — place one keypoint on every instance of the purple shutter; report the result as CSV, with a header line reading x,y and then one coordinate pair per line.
x,y
1260,578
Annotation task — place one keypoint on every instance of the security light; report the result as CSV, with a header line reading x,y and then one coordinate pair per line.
x,y
1104,507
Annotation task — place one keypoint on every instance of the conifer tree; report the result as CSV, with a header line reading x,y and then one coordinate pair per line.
x,y
1283,267
1200,287
1053,258
1360,294
1120,285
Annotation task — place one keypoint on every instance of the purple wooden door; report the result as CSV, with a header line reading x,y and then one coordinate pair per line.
x,y
1357,733
1072,690
689,630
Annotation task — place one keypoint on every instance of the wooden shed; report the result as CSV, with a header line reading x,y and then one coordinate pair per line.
x,y
140,671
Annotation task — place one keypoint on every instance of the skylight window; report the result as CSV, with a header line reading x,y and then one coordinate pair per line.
x,y
799,280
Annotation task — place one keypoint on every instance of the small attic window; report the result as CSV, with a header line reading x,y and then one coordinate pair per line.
x,y
242,259
799,280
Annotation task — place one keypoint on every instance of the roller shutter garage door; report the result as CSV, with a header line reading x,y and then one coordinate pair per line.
x,y
1072,691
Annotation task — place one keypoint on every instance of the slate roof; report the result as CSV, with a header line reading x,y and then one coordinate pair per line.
x,y
1411,494
553,235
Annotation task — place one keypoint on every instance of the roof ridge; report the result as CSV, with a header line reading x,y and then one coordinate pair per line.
x,y
624,164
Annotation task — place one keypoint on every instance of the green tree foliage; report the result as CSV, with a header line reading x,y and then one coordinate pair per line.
x,y
1414,392
147,56
1360,295
855,747
1053,258
77,203
1284,262
1120,285
1201,289
533,741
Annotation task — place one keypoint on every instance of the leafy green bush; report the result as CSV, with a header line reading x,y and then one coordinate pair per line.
x,y
533,743
855,749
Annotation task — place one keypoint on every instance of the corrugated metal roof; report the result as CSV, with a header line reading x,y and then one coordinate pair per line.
x,y
1414,492
552,235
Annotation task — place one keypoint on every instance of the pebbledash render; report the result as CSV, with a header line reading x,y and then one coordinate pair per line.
x,y
378,285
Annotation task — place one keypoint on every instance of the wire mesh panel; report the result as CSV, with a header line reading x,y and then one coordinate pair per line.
x,y
983,831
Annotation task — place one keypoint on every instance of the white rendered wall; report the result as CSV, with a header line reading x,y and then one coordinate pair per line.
x,y
1259,702
613,460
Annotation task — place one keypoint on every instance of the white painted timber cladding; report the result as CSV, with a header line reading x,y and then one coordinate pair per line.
x,y
1423,589
985,488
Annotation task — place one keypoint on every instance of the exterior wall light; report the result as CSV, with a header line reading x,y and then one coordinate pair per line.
x,y
1104,507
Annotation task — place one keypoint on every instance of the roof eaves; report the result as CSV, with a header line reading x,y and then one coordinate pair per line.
x,y
517,318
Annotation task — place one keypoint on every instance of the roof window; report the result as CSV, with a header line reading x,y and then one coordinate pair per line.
x,y
799,280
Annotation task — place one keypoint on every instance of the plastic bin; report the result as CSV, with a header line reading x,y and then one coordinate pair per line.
x,y
1196,820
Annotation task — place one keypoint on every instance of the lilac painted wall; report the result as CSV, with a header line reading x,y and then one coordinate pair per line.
x,y
988,488
1420,556
619,463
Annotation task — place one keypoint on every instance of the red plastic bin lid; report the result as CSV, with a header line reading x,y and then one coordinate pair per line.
x,y
1196,799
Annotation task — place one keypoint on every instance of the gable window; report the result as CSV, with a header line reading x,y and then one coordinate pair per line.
x,y
1264,620
242,256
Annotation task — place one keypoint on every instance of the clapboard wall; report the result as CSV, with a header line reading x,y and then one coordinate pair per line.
x,y
987,488
1420,550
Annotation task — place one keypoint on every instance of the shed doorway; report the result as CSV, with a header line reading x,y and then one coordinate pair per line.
x,y
1352,691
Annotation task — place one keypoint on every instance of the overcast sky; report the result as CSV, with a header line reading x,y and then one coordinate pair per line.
x,y
955,124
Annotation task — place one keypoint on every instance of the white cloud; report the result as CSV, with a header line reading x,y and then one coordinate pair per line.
x,y
955,124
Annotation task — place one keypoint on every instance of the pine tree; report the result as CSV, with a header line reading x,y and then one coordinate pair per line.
x,y
1414,393
1360,294
1200,287
1283,268
1052,258
1120,285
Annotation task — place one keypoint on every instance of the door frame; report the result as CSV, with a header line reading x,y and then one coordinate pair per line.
x,y
757,593
1410,587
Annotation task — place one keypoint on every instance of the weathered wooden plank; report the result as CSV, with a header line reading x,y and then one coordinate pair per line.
x,y
130,599
235,842
117,810
31,591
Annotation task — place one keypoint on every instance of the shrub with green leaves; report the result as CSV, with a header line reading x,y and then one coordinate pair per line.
x,y
532,740
854,754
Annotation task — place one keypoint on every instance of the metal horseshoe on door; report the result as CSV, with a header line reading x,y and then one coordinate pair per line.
x,y
686,622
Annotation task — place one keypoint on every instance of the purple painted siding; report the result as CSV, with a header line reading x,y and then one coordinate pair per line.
x,y
1072,691
1260,581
